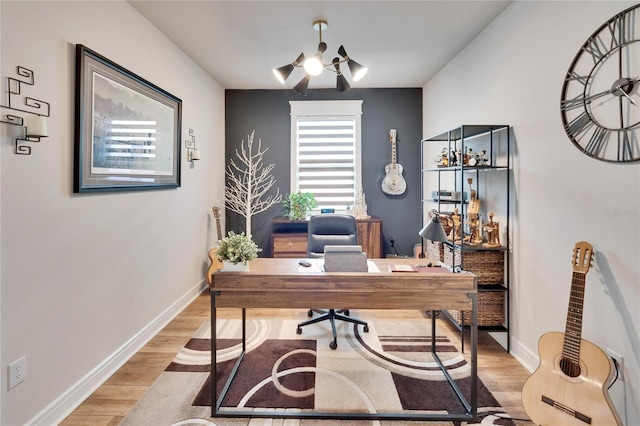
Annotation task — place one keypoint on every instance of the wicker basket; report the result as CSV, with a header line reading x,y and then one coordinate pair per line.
x,y
487,265
435,250
490,310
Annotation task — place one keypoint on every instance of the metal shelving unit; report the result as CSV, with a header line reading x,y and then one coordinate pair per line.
x,y
488,171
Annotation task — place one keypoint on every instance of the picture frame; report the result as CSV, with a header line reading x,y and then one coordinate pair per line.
x,y
127,130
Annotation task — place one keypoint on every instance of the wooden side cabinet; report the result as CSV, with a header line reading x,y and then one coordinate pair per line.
x,y
287,244
289,238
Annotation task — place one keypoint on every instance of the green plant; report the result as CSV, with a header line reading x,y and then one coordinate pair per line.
x,y
297,205
236,248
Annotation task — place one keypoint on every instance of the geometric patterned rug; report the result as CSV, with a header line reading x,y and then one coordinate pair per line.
x,y
390,369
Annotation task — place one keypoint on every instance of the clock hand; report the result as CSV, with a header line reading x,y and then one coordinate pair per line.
x,y
619,91
624,87
629,97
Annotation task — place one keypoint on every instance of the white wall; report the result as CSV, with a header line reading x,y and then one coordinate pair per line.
x,y
512,73
85,279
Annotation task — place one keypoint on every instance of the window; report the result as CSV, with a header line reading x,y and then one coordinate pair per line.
x,y
325,151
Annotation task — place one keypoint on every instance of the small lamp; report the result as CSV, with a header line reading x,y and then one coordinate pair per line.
x,y
434,230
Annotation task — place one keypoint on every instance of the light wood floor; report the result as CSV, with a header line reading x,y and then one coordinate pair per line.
x,y
111,402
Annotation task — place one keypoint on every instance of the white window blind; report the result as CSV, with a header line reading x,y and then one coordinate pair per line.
x,y
326,151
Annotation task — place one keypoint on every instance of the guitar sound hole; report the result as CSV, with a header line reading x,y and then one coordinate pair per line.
x,y
569,367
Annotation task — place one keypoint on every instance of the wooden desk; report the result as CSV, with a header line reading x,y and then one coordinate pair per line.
x,y
282,283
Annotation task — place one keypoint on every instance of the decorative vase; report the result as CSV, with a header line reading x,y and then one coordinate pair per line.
x,y
238,267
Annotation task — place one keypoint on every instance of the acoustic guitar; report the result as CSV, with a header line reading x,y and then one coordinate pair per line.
x,y
215,263
393,182
569,387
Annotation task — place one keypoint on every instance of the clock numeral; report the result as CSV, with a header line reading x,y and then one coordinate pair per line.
x,y
598,142
628,149
579,125
574,76
569,104
620,32
596,48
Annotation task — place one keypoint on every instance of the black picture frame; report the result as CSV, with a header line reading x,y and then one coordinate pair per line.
x,y
127,130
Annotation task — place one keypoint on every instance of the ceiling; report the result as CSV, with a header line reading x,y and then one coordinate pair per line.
x,y
404,43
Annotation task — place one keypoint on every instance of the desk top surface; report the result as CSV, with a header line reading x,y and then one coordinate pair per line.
x,y
282,282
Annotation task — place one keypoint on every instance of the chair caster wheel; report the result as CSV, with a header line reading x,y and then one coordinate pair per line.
x,y
298,330
346,312
366,328
310,313
333,345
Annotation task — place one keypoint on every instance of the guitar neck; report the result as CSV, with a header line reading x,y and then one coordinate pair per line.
x,y
216,215
573,328
392,137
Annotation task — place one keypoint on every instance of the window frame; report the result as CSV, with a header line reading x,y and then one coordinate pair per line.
x,y
319,109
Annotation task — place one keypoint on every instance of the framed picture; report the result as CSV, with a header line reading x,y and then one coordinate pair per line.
x,y
127,130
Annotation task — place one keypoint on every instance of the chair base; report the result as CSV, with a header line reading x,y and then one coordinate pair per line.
x,y
332,315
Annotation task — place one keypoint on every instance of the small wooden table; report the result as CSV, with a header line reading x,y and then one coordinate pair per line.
x,y
282,283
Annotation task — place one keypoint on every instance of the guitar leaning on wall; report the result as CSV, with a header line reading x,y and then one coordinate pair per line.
x,y
569,386
393,182
215,263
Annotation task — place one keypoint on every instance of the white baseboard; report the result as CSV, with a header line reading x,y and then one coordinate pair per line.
x,y
62,406
528,359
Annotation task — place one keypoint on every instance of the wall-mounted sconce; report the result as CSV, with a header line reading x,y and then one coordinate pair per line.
x,y
36,124
192,153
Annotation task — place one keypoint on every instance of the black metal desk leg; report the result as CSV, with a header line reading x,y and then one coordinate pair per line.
x,y
214,358
474,356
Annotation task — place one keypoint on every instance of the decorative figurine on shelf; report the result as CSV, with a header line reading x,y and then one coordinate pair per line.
x,y
360,208
475,233
467,156
482,158
453,161
455,221
492,229
443,159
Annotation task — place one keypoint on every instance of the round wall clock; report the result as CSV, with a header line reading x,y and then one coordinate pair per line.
x,y
600,104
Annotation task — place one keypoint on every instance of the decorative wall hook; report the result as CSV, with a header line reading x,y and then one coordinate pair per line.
x,y
36,125
192,153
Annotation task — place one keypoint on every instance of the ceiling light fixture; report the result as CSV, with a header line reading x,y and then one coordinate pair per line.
x,y
313,66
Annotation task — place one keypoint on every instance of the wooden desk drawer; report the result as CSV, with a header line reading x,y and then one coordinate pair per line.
x,y
289,245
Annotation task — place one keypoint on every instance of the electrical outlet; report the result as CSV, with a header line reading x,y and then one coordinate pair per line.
x,y
615,355
17,372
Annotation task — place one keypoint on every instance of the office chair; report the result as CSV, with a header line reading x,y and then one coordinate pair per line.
x,y
324,230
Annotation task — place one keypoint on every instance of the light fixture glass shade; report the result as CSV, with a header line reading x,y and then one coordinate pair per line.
x,y
283,72
357,70
433,230
342,85
303,85
313,65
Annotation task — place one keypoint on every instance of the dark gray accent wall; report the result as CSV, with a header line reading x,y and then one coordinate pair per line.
x,y
268,113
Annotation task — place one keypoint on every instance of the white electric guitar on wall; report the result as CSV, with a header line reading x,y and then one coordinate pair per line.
x,y
393,182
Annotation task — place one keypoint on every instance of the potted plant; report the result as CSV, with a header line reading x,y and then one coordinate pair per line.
x,y
298,205
237,249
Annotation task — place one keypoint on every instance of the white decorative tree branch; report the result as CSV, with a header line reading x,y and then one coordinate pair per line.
x,y
248,181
